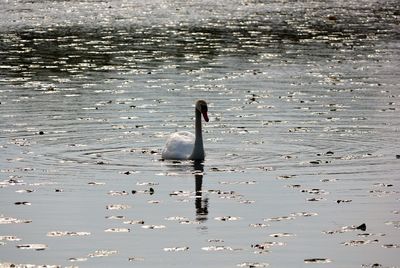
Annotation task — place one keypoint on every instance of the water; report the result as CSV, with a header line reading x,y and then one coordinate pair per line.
x,y
301,146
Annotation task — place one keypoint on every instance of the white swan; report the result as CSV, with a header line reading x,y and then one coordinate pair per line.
x,y
184,145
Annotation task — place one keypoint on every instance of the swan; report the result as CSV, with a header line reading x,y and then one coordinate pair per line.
x,y
183,145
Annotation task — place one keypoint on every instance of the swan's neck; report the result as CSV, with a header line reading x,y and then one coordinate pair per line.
x,y
198,149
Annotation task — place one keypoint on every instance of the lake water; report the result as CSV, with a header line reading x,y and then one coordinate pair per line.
x,y
302,165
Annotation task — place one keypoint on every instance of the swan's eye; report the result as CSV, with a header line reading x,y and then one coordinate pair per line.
x,y
203,108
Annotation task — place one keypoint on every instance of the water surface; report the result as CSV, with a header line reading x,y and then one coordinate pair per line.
x,y
302,157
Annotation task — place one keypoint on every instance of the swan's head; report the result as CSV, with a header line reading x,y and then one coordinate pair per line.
x,y
201,106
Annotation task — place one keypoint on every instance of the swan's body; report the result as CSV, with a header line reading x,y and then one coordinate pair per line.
x,y
184,145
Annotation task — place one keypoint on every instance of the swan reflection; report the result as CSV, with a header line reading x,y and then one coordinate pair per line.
x,y
200,202
197,169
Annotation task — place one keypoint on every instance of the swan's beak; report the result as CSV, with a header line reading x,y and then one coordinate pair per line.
x,y
205,116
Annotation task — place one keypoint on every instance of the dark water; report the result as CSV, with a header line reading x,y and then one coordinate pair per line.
x,y
302,145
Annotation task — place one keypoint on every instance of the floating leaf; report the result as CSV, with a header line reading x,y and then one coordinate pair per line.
x,y
303,214
113,217
227,218
134,222
9,220
67,233
216,248
32,246
176,218
135,259
258,225
117,207
282,235
153,227
94,183
9,238
391,246
252,264
359,242
102,253
146,183
117,193
117,230
282,218
175,249
317,260
77,259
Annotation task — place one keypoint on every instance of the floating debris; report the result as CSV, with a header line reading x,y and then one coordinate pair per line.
x,y
251,182
343,201
293,185
286,177
117,193
147,183
132,222
152,227
282,235
180,193
32,246
23,190
154,201
265,246
373,265
391,246
94,183
117,207
315,199
314,191
215,241
66,233
253,264
27,265
303,214
176,218
135,259
117,230
176,249
119,217
359,242
299,129
227,218
9,238
189,222
12,182
362,227
367,234
282,218
383,184
217,248
258,225
9,220
77,259
317,260
24,203
328,180
247,202
102,253
129,172
396,224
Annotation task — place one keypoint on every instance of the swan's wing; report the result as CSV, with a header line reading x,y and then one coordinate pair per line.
x,y
179,146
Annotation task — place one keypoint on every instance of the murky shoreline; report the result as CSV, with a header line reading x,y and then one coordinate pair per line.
x,y
302,160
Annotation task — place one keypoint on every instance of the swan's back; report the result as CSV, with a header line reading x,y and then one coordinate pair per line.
x,y
179,146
